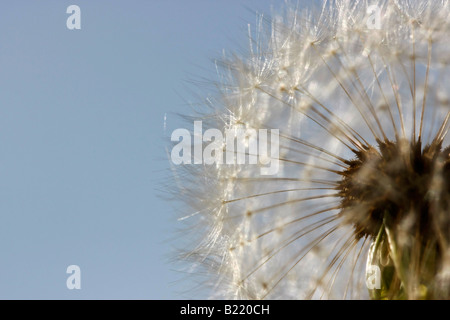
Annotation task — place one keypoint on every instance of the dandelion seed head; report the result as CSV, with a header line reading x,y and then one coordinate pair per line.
x,y
363,115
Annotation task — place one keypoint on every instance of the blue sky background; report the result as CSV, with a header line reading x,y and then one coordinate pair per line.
x,y
82,140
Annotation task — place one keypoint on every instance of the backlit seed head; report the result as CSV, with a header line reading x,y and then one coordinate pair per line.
x,y
363,113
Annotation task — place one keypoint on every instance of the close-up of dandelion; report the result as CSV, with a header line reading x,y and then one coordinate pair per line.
x,y
351,197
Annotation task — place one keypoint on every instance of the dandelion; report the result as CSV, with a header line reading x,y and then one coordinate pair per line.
x,y
359,94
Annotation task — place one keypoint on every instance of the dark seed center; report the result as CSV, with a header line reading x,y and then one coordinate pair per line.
x,y
400,183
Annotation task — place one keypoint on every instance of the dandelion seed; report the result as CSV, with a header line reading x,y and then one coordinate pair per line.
x,y
363,116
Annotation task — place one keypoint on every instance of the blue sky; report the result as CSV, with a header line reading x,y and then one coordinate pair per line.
x,y
82,140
